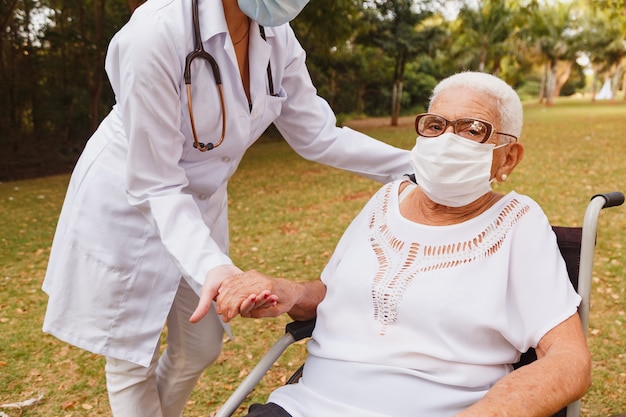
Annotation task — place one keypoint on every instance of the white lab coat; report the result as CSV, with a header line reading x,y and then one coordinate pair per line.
x,y
143,207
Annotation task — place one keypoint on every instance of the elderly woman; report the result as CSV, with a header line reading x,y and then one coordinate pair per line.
x,y
435,289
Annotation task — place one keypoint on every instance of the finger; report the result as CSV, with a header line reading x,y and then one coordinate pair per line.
x,y
229,307
228,303
248,304
268,310
204,305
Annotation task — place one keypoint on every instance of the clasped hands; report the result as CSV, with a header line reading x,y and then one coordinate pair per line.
x,y
249,294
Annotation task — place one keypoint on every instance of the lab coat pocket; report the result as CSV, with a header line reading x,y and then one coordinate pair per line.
x,y
265,115
104,226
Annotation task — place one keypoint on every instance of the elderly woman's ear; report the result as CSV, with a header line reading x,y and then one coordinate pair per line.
x,y
514,154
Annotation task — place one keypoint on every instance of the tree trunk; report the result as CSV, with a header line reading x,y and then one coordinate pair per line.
x,y
497,66
542,85
562,78
617,77
396,99
360,101
551,83
594,84
396,95
93,63
483,59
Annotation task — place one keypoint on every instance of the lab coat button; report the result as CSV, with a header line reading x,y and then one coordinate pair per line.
x,y
255,113
225,159
202,197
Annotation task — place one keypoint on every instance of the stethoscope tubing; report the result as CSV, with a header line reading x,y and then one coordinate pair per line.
x,y
199,52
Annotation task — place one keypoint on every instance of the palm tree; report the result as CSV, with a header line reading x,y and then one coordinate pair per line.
x,y
604,42
484,34
553,35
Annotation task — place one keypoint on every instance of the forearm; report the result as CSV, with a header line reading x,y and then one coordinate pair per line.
x,y
538,389
310,294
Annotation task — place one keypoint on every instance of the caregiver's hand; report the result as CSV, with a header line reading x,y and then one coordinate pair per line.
x,y
212,282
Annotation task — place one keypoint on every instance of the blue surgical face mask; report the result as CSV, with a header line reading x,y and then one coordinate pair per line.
x,y
272,12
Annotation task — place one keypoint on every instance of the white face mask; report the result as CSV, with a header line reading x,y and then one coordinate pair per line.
x,y
272,12
451,170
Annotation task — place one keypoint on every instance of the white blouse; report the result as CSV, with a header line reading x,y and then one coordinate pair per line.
x,y
422,320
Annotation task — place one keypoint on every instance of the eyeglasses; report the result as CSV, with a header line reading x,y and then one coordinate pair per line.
x,y
199,52
432,125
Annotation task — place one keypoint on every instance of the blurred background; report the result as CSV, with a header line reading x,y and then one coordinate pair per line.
x,y
367,58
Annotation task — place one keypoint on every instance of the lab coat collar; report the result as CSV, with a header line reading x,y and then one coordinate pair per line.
x,y
212,19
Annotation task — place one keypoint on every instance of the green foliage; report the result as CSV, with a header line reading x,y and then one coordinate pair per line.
x,y
286,216
367,58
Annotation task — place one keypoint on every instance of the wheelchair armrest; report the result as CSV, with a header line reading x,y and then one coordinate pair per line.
x,y
613,199
300,329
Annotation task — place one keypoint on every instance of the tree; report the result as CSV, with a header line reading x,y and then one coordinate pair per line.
x,y
18,70
326,30
402,30
603,40
552,35
484,34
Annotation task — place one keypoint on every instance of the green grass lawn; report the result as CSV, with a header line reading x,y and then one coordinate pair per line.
x,y
286,216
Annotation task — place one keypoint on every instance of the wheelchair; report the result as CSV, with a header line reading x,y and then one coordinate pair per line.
x,y
577,246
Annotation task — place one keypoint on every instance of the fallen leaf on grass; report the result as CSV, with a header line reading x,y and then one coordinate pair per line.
x,y
68,404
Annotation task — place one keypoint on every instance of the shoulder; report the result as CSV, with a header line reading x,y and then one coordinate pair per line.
x,y
525,216
530,206
155,21
283,38
154,38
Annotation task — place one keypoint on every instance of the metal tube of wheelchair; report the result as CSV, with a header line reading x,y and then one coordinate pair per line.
x,y
587,248
573,410
588,243
253,378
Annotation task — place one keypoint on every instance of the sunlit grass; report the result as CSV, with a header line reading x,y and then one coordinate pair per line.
x,y
286,216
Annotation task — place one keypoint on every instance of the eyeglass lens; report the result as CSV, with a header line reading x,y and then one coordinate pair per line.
x,y
430,125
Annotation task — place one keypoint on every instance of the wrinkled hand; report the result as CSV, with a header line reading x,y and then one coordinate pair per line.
x,y
253,294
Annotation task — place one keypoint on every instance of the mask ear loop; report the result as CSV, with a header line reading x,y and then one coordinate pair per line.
x,y
503,177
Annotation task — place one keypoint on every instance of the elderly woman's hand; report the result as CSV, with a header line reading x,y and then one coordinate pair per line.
x,y
253,294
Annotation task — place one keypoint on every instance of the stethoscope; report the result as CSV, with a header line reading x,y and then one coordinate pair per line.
x,y
199,52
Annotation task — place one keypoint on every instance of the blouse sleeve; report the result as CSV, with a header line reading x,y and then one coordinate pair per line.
x,y
541,295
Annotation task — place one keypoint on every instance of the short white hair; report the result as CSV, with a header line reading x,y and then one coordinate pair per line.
x,y
507,102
